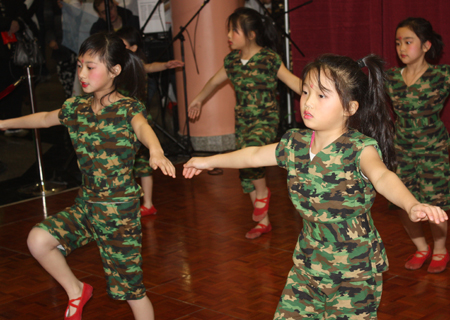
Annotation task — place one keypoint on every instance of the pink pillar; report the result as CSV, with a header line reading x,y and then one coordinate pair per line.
x,y
214,131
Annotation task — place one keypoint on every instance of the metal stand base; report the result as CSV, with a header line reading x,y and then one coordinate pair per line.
x,y
48,188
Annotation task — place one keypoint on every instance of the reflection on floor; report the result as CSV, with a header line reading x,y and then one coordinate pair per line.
x,y
197,263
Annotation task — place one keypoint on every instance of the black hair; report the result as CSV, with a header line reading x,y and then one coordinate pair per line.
x,y
372,117
134,37
424,31
111,51
263,26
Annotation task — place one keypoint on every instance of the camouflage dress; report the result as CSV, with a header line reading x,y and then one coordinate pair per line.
x,y
339,256
106,209
256,108
421,138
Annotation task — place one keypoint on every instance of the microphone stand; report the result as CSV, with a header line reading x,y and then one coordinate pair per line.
x,y
108,15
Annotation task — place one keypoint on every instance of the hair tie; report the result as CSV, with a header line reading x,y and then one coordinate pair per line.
x,y
361,63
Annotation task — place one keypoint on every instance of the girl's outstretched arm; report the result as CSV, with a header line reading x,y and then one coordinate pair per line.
x,y
32,121
392,188
196,104
291,80
251,157
148,137
161,66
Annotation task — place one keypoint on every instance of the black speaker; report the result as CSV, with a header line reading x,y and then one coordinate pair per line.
x,y
157,47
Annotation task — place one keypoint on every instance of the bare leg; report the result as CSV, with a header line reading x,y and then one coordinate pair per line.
x,y
42,246
260,192
439,232
147,186
142,309
415,232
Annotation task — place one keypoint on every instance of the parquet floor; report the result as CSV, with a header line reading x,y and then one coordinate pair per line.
x,y
197,263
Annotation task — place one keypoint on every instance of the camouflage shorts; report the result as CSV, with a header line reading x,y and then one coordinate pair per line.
x,y
258,135
425,174
309,297
141,164
116,228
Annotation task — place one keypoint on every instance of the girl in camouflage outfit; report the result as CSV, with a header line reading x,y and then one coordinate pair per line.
x,y
105,128
253,68
418,94
332,173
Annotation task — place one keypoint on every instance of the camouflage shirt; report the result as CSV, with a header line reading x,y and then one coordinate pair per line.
x,y
339,239
105,144
418,106
255,84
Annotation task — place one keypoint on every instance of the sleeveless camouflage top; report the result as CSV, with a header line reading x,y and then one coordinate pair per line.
x,y
339,239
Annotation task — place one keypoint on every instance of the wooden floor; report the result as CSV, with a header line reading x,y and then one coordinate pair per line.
x,y
197,263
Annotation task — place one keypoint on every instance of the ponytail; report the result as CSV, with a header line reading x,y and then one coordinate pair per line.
x,y
374,118
263,26
133,78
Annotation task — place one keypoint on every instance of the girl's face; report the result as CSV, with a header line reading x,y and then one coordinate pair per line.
x,y
236,38
93,75
409,47
322,110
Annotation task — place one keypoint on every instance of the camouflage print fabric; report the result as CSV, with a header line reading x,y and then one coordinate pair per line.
x,y
116,228
339,241
106,145
421,138
256,111
322,298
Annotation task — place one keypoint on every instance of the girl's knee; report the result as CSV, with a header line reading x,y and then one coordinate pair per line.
x,y
40,240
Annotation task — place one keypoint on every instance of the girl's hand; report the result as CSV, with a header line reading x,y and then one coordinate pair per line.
x,y
174,64
423,212
194,109
194,167
2,125
160,161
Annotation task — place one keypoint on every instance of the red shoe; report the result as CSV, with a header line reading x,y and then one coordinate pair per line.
x,y
148,212
418,259
260,213
257,232
439,264
85,296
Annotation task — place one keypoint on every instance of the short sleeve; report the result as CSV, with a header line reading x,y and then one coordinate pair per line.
x,y
135,108
282,150
67,113
277,62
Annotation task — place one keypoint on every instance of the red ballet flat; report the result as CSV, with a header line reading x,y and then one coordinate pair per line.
x,y
260,213
418,259
438,263
148,211
258,231
86,294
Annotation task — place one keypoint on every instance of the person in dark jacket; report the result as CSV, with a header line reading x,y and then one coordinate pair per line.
x,y
120,17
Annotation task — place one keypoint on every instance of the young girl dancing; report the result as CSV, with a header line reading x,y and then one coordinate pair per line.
x,y
132,39
104,127
418,92
332,172
253,68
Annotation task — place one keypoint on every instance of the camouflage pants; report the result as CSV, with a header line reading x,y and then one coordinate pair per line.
x,y
309,297
141,165
254,134
116,228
